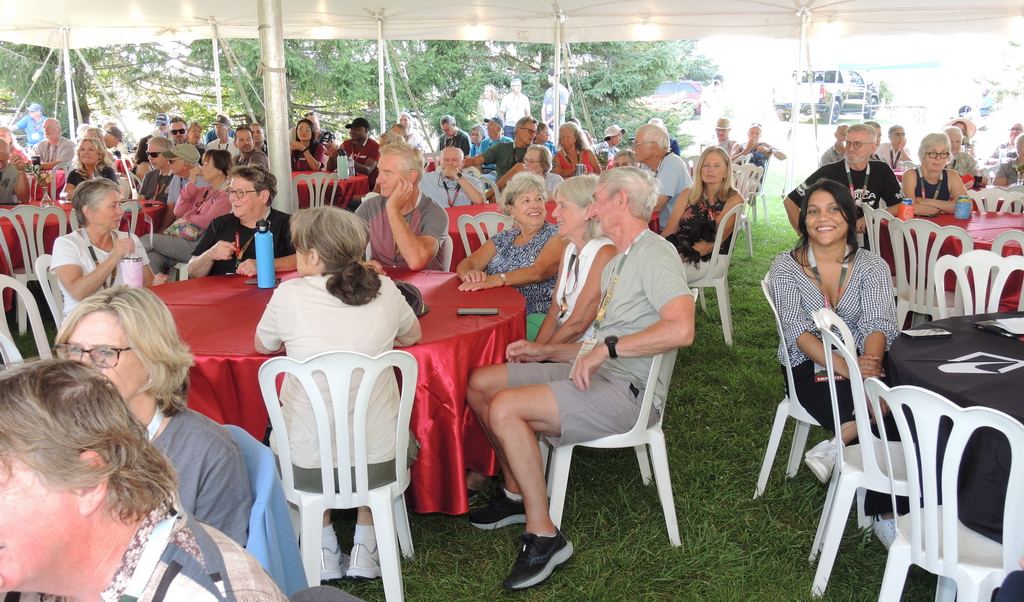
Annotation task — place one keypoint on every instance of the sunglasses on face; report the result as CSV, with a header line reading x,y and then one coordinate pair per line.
x,y
154,155
178,131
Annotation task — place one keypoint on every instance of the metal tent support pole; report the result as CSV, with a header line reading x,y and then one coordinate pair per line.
x,y
381,50
216,65
276,89
391,80
106,96
555,96
412,100
805,16
248,79
66,31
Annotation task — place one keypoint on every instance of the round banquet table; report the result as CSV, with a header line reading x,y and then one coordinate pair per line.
x,y
217,318
971,368
983,228
346,190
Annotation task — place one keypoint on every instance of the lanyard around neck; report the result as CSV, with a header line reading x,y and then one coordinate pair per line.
x,y
817,276
611,287
96,261
849,178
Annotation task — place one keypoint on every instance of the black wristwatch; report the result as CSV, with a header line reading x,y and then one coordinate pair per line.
x,y
610,342
458,175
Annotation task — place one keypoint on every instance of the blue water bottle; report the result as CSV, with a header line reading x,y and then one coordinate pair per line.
x,y
265,277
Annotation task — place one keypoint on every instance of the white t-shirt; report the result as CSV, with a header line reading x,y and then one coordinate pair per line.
x,y
73,249
577,277
228,146
308,320
514,108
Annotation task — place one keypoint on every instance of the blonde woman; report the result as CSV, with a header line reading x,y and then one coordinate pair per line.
x,y
709,198
129,336
91,161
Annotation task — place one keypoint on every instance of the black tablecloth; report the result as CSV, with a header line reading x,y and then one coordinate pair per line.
x,y
971,368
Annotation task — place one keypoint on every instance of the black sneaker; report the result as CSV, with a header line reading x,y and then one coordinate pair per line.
x,y
537,560
500,512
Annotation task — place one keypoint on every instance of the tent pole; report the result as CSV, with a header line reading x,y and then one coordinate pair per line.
x,y
555,96
391,80
805,16
238,84
216,65
275,89
66,31
103,91
381,92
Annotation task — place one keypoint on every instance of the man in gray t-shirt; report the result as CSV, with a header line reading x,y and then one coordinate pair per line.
x,y
574,399
651,146
407,229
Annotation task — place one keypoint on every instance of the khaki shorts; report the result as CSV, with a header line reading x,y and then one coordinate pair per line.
x,y
610,406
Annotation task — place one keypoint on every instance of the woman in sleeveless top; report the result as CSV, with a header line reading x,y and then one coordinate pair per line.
x,y
933,187
574,151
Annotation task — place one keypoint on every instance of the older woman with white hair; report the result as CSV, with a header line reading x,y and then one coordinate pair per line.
x,y
960,160
524,256
537,160
894,152
578,289
933,187
91,161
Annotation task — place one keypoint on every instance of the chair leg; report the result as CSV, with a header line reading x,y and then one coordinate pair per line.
x,y
659,455
826,511
781,413
645,465
22,317
724,309
796,453
311,517
896,567
833,534
402,526
382,509
863,521
703,301
558,481
750,240
946,590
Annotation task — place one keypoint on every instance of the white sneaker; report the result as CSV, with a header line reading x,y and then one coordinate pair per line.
x,y
333,564
364,562
821,459
885,530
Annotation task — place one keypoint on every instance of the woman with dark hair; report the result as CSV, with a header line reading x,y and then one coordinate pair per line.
x,y
307,153
141,158
827,269
337,305
195,209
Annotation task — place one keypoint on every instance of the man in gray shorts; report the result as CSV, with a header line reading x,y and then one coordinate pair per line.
x,y
647,310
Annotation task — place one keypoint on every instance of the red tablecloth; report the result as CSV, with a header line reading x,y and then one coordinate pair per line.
x,y
35,192
347,190
459,253
983,229
217,318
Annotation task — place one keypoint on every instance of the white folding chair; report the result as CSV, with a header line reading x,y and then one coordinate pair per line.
x,y
866,465
64,167
1000,241
789,407
639,438
916,245
969,565
485,224
980,279
348,444
716,273
51,289
321,186
28,303
998,199
28,223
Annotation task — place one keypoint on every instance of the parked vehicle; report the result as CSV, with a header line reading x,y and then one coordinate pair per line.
x,y
832,94
672,96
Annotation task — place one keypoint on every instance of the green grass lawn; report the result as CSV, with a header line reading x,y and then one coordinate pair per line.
x,y
719,412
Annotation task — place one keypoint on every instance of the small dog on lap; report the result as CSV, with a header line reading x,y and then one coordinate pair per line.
x,y
702,231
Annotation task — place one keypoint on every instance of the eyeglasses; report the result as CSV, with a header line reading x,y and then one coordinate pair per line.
x,y
899,134
1017,129
639,144
154,155
101,357
531,162
937,155
856,145
237,193
178,131
534,132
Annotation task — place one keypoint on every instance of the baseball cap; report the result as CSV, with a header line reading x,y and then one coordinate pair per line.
x,y
35,107
223,120
613,130
115,132
161,119
185,152
358,122
497,120
723,124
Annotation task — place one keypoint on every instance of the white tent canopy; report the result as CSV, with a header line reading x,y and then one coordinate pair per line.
x,y
92,23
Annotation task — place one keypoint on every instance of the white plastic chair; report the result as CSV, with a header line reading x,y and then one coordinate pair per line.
x,y
908,165
28,303
67,169
51,289
747,181
691,163
916,245
387,503
716,274
998,199
858,467
789,407
447,250
28,222
9,351
969,566
485,224
492,185
134,184
873,219
1000,241
639,438
980,279
318,184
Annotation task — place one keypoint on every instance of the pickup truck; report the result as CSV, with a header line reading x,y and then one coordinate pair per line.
x,y
833,94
